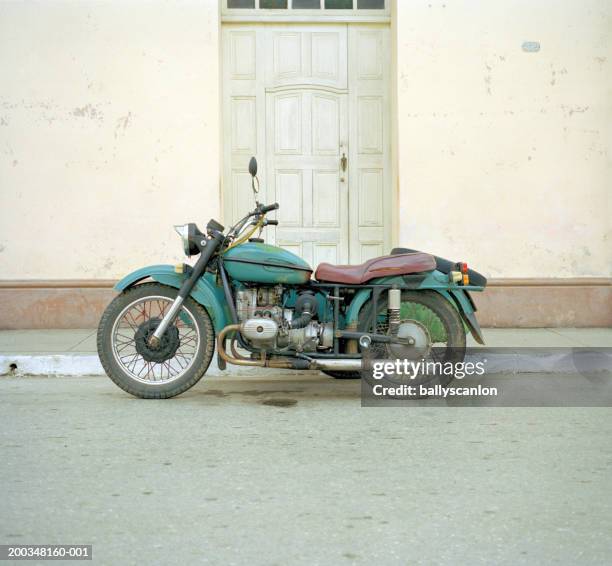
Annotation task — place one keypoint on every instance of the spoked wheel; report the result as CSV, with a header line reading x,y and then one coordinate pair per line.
x,y
179,360
434,326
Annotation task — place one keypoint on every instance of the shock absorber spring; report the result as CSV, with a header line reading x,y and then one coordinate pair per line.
x,y
393,310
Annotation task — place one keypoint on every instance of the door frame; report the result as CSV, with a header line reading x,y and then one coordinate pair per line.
x,y
300,15
391,189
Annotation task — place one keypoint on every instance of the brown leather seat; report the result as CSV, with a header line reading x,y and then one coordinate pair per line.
x,y
383,266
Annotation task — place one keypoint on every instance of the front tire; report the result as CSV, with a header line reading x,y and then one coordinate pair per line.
x,y
177,365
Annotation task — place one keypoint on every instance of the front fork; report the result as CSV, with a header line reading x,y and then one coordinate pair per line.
x,y
207,249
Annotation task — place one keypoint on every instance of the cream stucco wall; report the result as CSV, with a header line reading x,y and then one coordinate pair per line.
x,y
109,133
504,155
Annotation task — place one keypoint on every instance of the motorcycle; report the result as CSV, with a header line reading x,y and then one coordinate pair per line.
x,y
260,305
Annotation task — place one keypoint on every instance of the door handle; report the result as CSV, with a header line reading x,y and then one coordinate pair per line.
x,y
343,162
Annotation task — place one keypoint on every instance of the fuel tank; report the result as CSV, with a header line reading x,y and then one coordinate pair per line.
x,y
261,263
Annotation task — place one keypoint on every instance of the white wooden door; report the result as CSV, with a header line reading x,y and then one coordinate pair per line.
x,y
306,137
311,103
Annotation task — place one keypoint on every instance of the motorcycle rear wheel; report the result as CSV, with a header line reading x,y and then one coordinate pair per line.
x,y
442,324
447,316
180,361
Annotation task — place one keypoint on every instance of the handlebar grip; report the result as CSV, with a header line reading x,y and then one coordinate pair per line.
x,y
271,222
268,207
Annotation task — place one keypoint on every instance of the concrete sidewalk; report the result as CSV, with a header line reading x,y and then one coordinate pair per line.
x,y
73,352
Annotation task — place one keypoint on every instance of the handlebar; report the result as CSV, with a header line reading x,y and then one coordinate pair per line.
x,y
236,234
268,207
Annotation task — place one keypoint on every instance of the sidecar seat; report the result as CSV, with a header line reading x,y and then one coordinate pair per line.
x,y
445,266
397,264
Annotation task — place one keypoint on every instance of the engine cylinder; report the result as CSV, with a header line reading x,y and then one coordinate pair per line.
x,y
259,329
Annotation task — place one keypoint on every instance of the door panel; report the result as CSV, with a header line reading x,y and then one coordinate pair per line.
x,y
288,113
370,124
369,250
287,53
308,55
327,253
325,199
325,124
370,54
289,195
370,202
244,124
243,194
242,54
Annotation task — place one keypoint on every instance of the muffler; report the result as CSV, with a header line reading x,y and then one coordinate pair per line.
x,y
338,364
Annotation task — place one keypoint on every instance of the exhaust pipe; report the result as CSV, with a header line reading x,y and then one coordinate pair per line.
x,y
237,359
338,364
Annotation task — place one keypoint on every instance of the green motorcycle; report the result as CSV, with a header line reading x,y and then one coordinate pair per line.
x,y
262,307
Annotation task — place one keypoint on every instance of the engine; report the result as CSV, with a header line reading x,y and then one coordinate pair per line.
x,y
266,323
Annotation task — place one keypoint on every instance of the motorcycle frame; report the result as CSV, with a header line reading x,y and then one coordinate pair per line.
x,y
199,283
219,299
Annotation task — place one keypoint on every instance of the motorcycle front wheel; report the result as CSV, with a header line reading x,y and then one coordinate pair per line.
x,y
177,364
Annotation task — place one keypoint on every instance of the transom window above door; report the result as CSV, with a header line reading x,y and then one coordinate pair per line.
x,y
306,10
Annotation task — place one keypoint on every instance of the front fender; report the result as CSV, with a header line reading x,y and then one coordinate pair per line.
x,y
206,292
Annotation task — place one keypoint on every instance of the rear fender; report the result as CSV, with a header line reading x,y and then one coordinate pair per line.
x,y
459,296
205,292
466,308
435,281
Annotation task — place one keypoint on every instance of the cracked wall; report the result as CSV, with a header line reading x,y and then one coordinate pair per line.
x,y
109,134
504,152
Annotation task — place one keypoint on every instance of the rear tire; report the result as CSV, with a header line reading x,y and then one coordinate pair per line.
x,y
450,328
108,330
432,300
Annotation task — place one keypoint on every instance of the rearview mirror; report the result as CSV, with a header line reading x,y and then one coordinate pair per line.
x,y
253,167
254,180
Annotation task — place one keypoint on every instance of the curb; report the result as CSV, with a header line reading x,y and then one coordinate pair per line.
x,y
495,361
76,365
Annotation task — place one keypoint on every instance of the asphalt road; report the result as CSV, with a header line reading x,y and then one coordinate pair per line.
x,y
294,471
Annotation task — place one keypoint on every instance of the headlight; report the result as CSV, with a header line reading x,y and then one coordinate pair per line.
x,y
187,232
183,231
